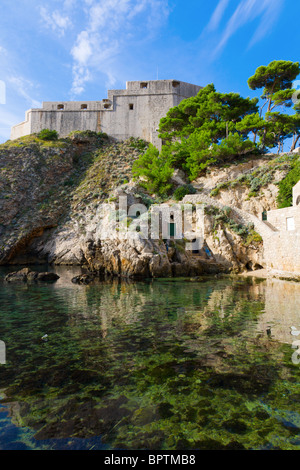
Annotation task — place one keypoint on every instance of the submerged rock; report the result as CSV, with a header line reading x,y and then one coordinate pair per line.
x,y
26,275
82,279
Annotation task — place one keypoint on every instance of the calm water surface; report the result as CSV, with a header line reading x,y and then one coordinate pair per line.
x,y
163,364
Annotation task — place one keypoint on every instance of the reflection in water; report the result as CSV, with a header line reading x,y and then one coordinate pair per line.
x,y
164,364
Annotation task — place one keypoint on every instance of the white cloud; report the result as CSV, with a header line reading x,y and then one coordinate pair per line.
x,y
82,50
24,88
3,51
246,11
112,25
271,14
56,20
217,15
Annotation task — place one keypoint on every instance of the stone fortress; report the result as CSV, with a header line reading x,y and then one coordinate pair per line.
x,y
133,112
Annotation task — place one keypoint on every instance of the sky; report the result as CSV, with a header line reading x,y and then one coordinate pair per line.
x,y
60,50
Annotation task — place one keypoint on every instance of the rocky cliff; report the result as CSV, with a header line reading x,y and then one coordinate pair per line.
x,y
54,200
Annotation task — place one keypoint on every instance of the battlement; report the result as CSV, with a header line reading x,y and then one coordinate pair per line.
x,y
132,112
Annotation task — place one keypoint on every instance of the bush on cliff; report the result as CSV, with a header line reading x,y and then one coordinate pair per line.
x,y
285,194
47,134
182,191
155,170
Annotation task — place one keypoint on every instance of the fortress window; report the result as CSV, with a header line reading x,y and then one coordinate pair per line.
x,y
107,106
131,106
144,85
175,84
84,106
290,223
60,106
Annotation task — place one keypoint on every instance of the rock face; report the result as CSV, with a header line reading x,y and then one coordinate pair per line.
x,y
250,186
93,241
58,206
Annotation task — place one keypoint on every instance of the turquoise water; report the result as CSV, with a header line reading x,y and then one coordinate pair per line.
x,y
163,364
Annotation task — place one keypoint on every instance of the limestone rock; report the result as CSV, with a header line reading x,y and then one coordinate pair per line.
x,y
178,178
26,275
59,205
82,279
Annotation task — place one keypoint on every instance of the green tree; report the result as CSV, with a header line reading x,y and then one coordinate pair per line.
x,y
278,128
209,111
296,125
155,170
253,123
276,80
285,193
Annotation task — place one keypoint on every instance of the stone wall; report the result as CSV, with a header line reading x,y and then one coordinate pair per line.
x,y
133,112
282,252
279,218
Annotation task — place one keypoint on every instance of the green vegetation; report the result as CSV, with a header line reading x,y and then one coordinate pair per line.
x,y
138,144
215,128
34,139
222,218
276,80
182,191
88,134
109,166
285,195
259,177
156,170
47,134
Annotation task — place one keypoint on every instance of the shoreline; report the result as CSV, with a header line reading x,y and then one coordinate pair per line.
x,y
264,274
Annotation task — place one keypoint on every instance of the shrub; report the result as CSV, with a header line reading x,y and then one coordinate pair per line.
x,y
155,171
183,190
138,144
285,194
47,134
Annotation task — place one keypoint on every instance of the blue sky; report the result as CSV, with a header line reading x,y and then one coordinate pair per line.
x,y
77,49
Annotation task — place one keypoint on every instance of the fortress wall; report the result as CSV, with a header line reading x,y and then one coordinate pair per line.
x,y
24,128
64,122
185,90
133,112
282,253
278,218
136,116
20,130
72,106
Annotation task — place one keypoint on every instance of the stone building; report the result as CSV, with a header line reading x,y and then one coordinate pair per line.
x,y
134,112
282,247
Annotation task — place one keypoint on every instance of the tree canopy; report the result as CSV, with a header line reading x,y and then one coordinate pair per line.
x,y
212,127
